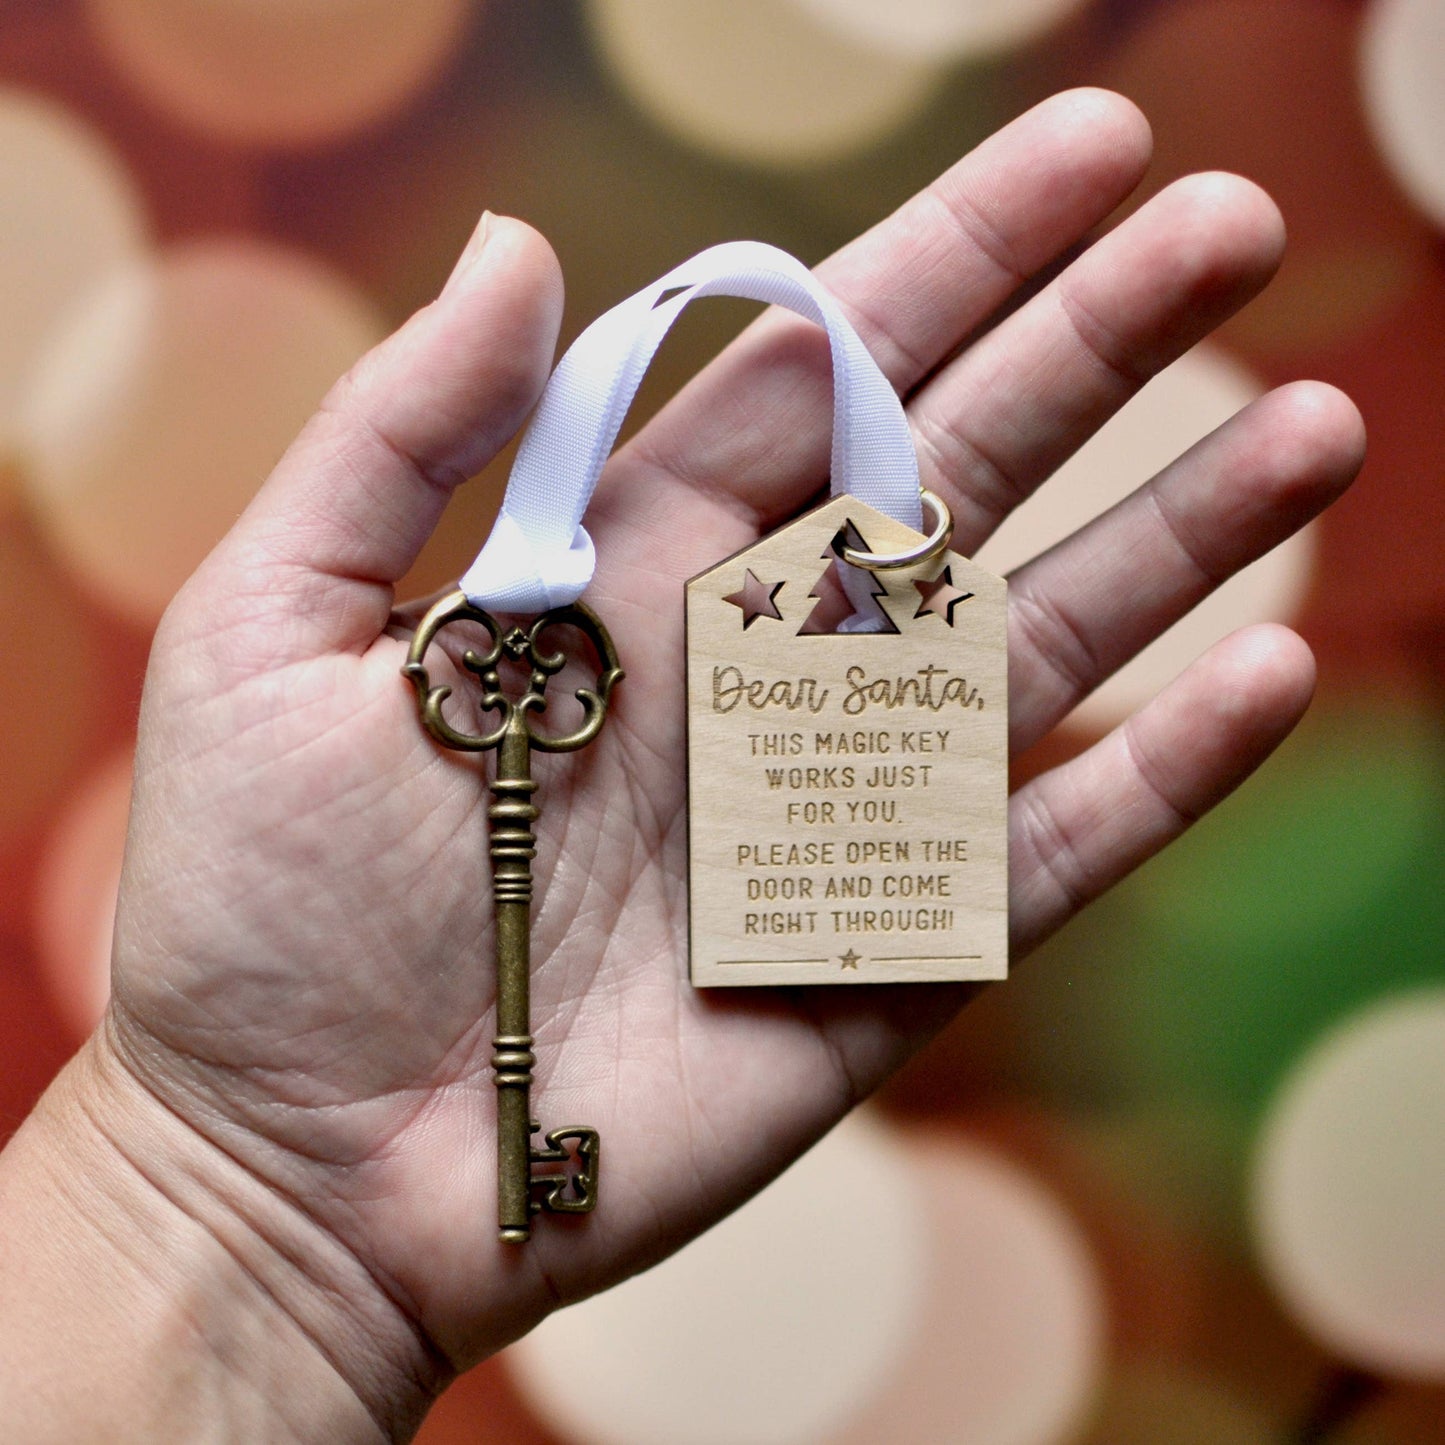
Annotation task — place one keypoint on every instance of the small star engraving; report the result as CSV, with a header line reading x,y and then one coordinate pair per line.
x,y
850,959
940,596
756,599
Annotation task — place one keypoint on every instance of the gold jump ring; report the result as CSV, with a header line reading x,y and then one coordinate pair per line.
x,y
930,546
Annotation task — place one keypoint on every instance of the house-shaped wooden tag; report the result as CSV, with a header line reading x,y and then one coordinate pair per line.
x,y
847,791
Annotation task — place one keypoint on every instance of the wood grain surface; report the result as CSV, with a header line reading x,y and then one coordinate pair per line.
x,y
847,792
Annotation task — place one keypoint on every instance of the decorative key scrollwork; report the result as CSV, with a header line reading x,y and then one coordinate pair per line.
x,y
523,645
513,845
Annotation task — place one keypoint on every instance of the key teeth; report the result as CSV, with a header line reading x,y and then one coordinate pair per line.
x,y
583,1183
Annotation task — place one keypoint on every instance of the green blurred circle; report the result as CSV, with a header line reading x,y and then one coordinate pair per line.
x,y
1315,889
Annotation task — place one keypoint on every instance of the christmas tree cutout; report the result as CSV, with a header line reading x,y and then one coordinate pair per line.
x,y
833,606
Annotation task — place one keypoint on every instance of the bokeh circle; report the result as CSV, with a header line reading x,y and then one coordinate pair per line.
x,y
1303,897
1349,1188
278,72
168,396
76,893
757,81
957,29
773,1328
1402,62
885,1288
1009,1346
71,214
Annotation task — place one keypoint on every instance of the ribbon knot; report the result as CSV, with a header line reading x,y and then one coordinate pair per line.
x,y
540,556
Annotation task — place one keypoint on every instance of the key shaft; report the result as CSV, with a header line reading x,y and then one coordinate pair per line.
x,y
513,845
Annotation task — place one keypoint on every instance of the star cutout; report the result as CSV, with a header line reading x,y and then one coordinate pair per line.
x,y
850,959
756,599
940,596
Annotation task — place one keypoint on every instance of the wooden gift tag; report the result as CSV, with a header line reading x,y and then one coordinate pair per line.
x,y
847,793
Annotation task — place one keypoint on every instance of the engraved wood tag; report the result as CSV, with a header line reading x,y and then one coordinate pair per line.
x,y
847,792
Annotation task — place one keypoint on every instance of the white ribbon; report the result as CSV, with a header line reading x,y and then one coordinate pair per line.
x,y
540,556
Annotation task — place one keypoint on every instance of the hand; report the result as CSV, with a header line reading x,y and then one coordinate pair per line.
x,y
300,1025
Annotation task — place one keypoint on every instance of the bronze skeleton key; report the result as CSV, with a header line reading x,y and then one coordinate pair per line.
x,y
513,846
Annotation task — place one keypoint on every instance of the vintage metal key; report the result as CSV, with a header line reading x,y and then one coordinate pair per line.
x,y
520,1192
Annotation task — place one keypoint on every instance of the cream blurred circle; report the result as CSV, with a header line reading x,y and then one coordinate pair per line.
x,y
953,29
1349,1189
757,81
76,893
1010,1346
162,404
880,1290
71,214
1185,402
278,72
772,1328
1402,64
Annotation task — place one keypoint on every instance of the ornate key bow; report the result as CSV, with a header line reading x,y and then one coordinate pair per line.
x,y
513,846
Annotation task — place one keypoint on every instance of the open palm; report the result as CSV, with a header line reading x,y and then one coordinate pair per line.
x,y
303,977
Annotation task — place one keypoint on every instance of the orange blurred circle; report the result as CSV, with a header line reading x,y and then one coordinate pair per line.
x,y
71,213
295,72
76,894
161,406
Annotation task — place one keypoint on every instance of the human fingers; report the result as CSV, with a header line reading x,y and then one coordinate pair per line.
x,y
313,560
1084,608
999,419
753,427
1077,830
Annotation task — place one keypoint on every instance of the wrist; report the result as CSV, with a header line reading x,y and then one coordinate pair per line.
x,y
151,1287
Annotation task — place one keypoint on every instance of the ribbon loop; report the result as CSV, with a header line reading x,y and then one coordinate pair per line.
x,y
540,556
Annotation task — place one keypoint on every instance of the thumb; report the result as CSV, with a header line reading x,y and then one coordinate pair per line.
x,y
313,560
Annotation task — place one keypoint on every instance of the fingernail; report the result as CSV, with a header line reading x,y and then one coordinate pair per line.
x,y
474,249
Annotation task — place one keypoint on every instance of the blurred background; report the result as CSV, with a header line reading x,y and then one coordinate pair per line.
x,y
1182,1180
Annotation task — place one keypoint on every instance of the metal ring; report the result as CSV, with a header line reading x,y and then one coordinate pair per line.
x,y
931,545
